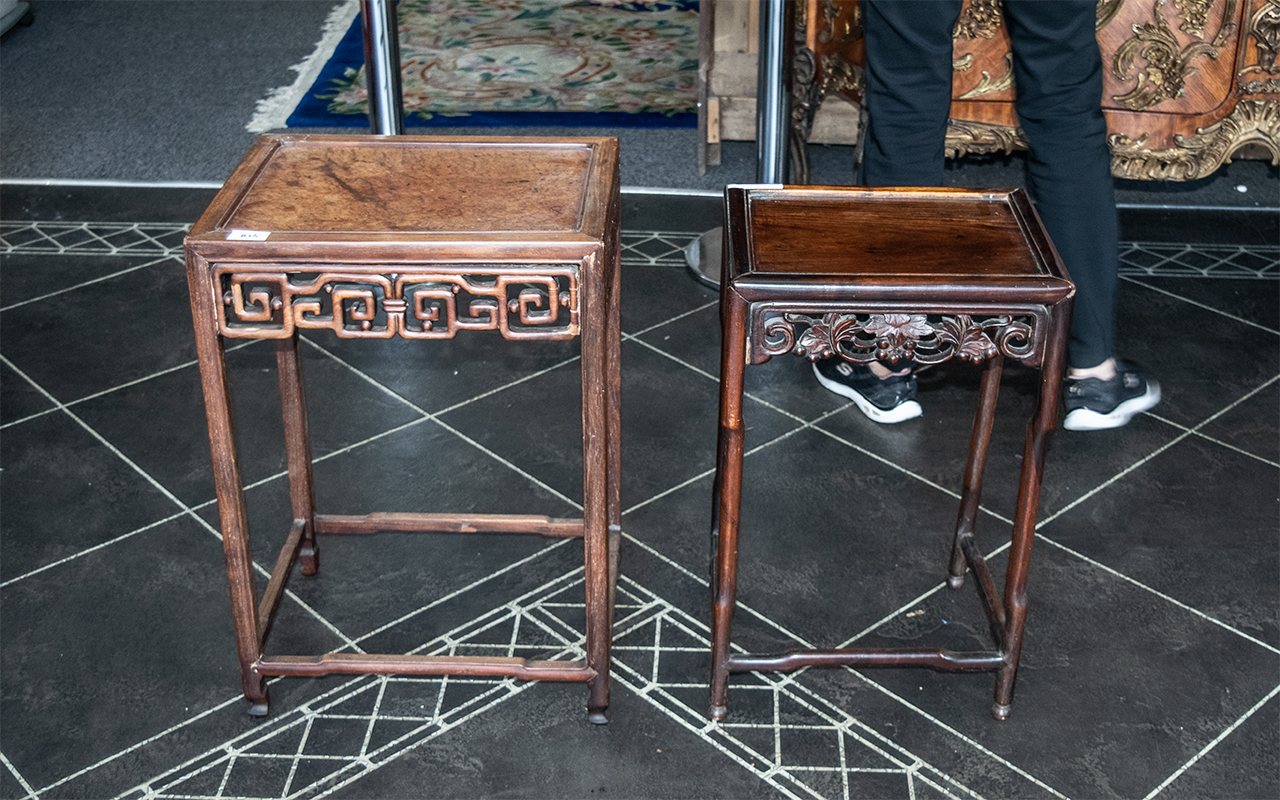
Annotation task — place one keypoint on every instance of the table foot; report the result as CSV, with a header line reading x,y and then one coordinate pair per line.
x,y
310,560
1001,710
259,709
718,713
597,717
955,581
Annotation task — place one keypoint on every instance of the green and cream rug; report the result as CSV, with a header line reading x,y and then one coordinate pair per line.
x,y
509,62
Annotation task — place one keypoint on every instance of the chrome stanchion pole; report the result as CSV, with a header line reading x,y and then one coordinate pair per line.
x,y
773,118
773,101
382,65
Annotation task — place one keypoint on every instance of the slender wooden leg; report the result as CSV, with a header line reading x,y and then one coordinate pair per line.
x,y
613,334
978,443
1039,431
298,449
227,482
729,482
595,464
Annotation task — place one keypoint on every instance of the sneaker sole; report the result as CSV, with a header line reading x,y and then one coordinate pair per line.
x,y
1084,419
899,413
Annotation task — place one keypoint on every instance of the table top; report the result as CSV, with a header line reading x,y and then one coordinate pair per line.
x,y
888,240
315,189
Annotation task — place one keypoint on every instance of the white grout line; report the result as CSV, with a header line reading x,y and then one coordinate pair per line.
x,y
646,547
110,183
709,472
688,313
72,403
458,592
505,386
803,696
17,776
1153,454
904,607
1158,593
714,378
1205,750
1219,442
239,698
172,497
1219,312
962,737
410,404
205,504
99,279
93,549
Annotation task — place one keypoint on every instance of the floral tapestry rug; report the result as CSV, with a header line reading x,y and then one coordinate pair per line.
x,y
525,62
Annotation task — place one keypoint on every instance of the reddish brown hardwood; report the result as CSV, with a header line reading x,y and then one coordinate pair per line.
x,y
423,238
861,274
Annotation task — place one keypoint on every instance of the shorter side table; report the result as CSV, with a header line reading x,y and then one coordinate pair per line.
x,y
422,238
891,274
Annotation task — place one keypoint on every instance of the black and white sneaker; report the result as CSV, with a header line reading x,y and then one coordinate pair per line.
x,y
1095,405
890,400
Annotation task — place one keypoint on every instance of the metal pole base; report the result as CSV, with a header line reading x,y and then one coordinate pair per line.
x,y
702,256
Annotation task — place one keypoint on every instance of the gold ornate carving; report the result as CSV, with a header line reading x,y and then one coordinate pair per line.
x,y
963,64
841,76
1107,10
965,137
1228,26
264,304
1197,156
1264,27
1195,13
1261,87
978,21
831,18
987,86
863,338
1168,66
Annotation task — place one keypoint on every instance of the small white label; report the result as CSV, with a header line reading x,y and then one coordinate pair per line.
x,y
242,235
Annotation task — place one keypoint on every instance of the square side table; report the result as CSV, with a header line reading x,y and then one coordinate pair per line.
x,y
422,238
891,274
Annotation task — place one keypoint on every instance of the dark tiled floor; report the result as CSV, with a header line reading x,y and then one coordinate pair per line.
x,y
1152,661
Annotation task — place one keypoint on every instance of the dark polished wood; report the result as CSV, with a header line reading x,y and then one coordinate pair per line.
x,y
867,274
424,238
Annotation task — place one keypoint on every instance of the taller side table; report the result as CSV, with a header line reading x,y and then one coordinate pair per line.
x,y
423,238
891,274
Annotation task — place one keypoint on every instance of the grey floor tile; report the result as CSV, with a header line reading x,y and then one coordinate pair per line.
x,y
103,335
87,495
142,641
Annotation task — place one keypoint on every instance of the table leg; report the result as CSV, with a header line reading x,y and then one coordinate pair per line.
x,y
729,484
1039,431
992,369
298,449
595,466
613,332
227,482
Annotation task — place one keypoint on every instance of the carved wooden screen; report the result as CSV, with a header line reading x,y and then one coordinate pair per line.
x,y
1188,83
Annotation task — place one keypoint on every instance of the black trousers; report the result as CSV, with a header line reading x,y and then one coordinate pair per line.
x,y
1058,81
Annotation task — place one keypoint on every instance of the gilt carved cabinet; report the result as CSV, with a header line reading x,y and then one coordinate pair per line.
x,y
1188,84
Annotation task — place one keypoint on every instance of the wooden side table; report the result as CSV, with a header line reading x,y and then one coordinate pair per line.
x,y
891,274
424,238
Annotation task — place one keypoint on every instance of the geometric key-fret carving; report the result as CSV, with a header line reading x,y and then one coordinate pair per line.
x,y
542,303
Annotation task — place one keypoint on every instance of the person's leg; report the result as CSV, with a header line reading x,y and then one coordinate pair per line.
x,y
1058,82
908,90
908,97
